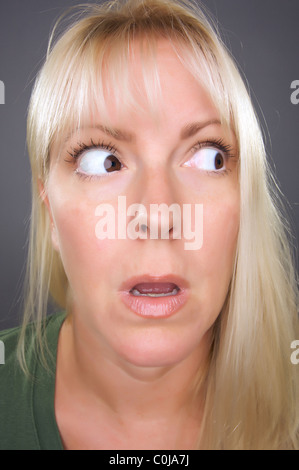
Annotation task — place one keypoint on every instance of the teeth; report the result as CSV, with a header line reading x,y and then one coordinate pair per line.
x,y
136,292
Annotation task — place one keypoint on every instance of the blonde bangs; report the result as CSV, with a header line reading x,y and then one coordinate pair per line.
x,y
93,63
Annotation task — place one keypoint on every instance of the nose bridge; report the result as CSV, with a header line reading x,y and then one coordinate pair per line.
x,y
157,184
156,194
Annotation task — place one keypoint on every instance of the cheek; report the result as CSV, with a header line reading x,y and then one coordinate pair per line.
x,y
220,233
214,262
82,254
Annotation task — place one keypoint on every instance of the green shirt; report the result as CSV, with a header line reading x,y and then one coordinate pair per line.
x,y
27,416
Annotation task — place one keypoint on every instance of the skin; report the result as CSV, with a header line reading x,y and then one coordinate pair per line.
x,y
122,381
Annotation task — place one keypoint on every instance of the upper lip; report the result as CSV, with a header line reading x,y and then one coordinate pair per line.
x,y
151,278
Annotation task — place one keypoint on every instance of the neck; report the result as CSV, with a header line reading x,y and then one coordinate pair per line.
x,y
124,389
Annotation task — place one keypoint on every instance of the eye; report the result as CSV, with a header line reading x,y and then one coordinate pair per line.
x,y
208,159
98,162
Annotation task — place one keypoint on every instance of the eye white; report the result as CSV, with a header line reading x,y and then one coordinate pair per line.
x,y
207,159
92,162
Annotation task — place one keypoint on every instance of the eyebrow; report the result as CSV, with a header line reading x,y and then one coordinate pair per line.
x,y
189,130
115,133
193,128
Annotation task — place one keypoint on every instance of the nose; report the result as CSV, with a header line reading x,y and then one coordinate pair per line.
x,y
158,212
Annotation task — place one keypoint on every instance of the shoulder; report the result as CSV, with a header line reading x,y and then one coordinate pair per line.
x,y
17,426
9,340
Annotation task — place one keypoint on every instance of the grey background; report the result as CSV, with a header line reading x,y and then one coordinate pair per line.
x,y
264,38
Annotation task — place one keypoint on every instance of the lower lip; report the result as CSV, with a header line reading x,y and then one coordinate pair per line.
x,y
155,307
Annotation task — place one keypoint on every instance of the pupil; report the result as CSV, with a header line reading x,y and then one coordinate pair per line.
x,y
218,161
111,163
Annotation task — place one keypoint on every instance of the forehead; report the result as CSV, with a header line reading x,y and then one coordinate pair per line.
x,y
146,82
152,85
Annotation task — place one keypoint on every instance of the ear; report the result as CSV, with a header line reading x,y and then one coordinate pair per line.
x,y
44,197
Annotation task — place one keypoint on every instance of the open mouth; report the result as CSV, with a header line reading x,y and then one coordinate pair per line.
x,y
155,296
160,289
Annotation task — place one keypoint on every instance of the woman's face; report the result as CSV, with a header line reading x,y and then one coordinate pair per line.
x,y
188,158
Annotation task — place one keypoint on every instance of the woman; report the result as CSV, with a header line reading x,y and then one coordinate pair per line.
x,y
157,346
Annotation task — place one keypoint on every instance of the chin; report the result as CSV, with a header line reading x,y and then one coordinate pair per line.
x,y
156,352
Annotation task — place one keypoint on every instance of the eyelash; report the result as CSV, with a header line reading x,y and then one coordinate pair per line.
x,y
220,145
82,147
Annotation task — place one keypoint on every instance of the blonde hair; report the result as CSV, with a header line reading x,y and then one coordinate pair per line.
x,y
251,386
